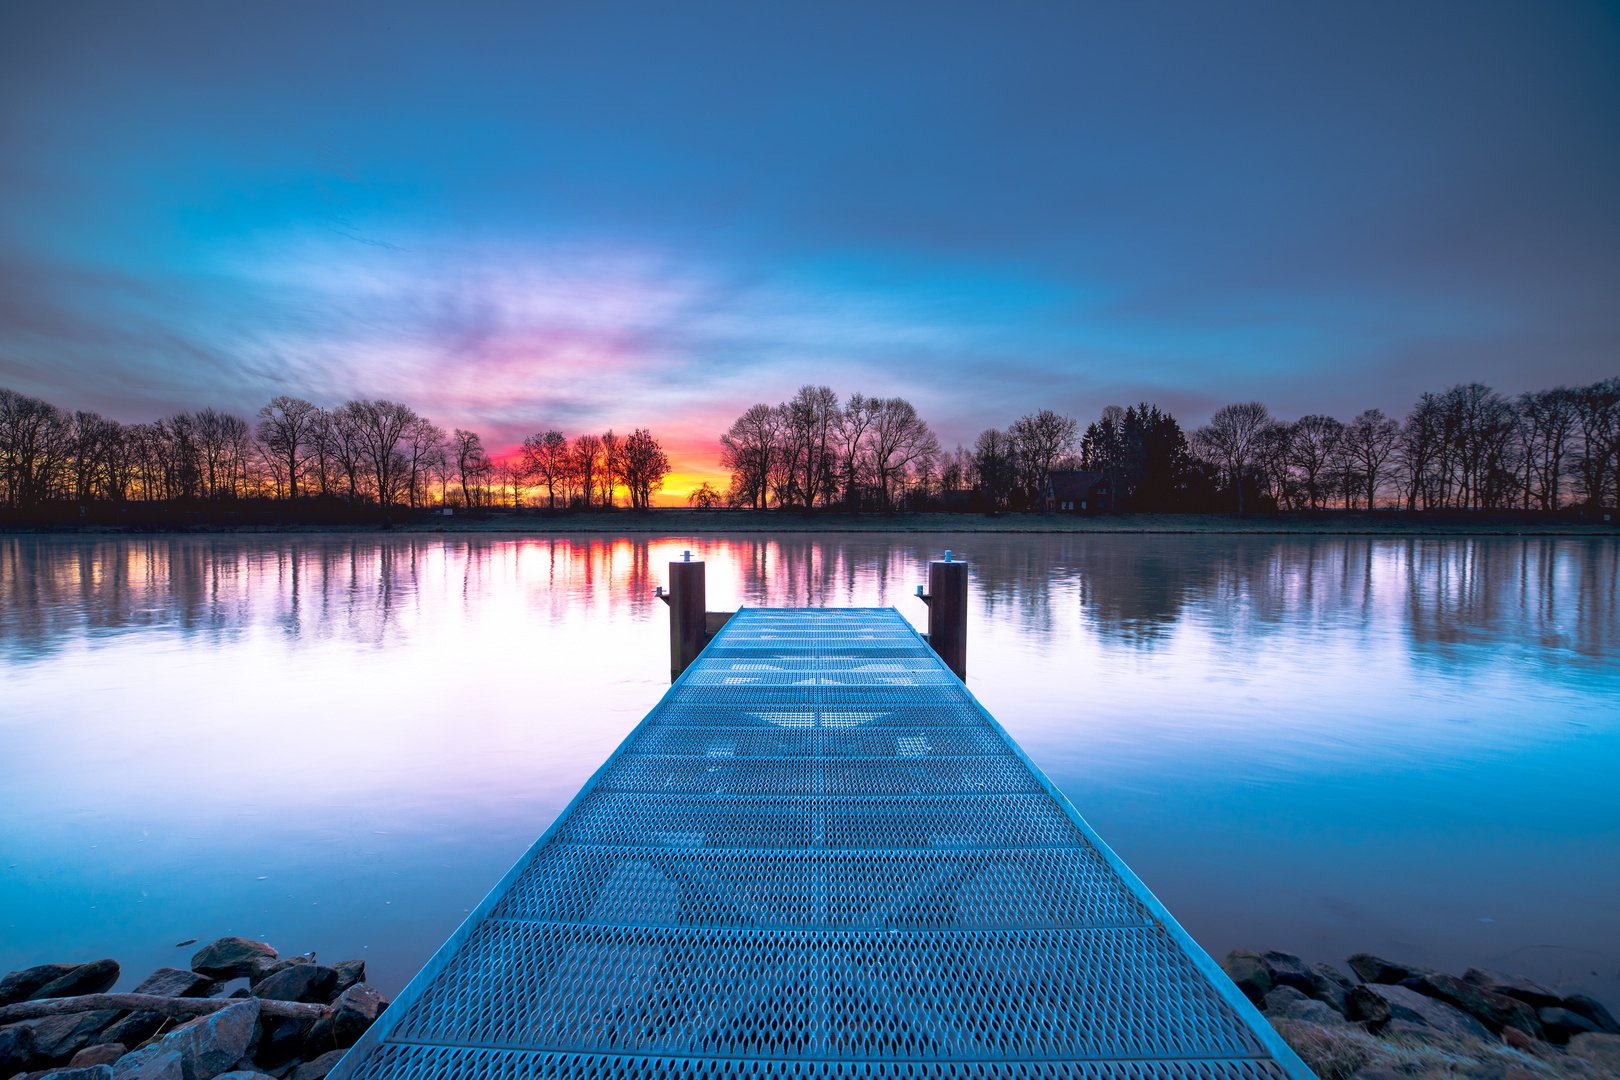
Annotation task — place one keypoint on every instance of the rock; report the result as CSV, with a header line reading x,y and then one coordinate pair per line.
x,y
1249,972
132,1030
1497,1011
214,1043
1370,1008
1287,969
1415,1008
310,983
282,1040
1289,1003
156,1062
104,1054
319,1039
17,1051
1581,1005
1601,1050
1328,985
1375,970
1517,1040
356,1009
175,982
231,957
1561,1024
349,972
1514,986
317,1069
18,985
90,1072
94,978
1422,1033
58,1038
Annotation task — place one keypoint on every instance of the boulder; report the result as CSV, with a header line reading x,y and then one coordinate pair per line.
x,y
1374,969
1369,1008
349,972
355,1010
156,1062
104,1054
1286,1002
319,1039
18,985
89,1072
1496,1011
312,983
231,958
1581,1005
317,1069
1249,972
1518,1040
94,978
214,1043
175,982
58,1038
17,1051
1287,969
1513,986
1602,1051
1328,985
132,1030
1415,1008
282,1040
1561,1024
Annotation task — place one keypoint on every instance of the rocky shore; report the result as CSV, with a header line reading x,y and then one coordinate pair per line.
x,y
1396,1021
242,1012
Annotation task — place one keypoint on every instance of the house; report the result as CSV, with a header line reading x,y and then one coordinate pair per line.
x,y
1074,492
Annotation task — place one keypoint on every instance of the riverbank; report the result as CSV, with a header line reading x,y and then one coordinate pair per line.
x,y
1389,1020
682,522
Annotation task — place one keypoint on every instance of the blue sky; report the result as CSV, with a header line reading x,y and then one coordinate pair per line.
x,y
515,216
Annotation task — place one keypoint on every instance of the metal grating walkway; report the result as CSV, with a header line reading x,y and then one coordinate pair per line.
x,y
818,856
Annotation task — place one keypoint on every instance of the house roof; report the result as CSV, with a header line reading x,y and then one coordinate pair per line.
x,y
1073,483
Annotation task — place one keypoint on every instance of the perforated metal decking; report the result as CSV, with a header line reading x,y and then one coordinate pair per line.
x,y
819,857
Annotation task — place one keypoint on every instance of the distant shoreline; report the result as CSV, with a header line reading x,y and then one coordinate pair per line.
x,y
695,522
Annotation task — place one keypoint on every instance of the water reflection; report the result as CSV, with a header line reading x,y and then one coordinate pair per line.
x,y
1323,744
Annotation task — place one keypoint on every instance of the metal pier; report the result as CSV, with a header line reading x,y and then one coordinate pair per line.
x,y
819,857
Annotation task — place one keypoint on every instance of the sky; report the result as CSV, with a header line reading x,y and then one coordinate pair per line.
x,y
521,216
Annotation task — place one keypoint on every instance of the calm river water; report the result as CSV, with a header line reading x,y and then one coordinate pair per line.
x,y
1409,747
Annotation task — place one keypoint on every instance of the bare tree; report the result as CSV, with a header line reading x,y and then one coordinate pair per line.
x,y
424,445
645,465
1231,439
379,428
897,442
546,455
587,465
1042,438
1312,448
612,467
467,450
746,451
285,427
1368,444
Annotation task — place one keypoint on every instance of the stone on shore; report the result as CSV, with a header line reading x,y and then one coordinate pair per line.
x,y
317,1069
355,1010
1249,972
1329,985
282,1040
18,985
102,1054
349,972
231,957
1286,969
1514,986
1496,1011
155,1062
1602,1051
92,978
1581,1005
175,982
58,1038
1375,969
17,1051
132,1030
1369,1008
214,1043
311,983
1286,1002
1561,1025
1416,1008
90,1072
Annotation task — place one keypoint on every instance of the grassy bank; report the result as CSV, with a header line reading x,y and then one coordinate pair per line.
x,y
696,522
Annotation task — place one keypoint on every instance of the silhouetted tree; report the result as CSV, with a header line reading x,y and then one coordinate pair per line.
x,y
1231,440
285,427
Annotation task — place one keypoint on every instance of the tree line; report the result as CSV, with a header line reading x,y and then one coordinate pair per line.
x,y
1466,448
379,454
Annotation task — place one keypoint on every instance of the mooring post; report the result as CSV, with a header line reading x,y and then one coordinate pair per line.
x,y
687,615
947,612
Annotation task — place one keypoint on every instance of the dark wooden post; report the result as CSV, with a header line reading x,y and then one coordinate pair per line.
x,y
687,602
947,612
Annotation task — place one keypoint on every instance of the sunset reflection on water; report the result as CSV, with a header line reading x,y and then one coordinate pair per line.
x,y
341,742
